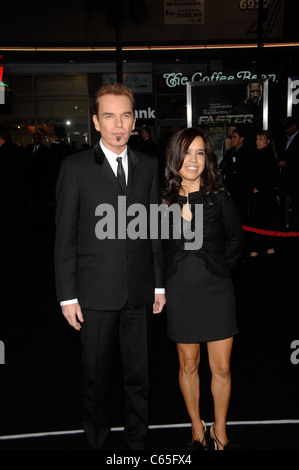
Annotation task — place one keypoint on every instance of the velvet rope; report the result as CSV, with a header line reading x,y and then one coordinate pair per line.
x,y
271,233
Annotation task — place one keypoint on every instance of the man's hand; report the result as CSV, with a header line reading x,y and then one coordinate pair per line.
x,y
73,314
160,301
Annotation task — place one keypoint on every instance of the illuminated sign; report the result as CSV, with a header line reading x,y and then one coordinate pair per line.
x,y
183,12
174,79
2,87
145,107
253,4
137,82
293,96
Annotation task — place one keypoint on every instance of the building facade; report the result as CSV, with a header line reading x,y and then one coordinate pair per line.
x,y
52,65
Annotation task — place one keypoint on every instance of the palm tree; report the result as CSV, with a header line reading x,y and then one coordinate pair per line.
x,y
117,12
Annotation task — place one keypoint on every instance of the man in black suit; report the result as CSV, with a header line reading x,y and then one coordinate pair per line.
x,y
106,284
39,173
11,194
149,145
235,169
289,170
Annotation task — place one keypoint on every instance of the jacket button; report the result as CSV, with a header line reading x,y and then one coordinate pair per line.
x,y
128,255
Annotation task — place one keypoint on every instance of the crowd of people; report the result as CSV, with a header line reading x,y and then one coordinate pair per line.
x,y
105,287
28,179
263,184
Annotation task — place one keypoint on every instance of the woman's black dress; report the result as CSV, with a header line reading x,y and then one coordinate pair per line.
x,y
200,296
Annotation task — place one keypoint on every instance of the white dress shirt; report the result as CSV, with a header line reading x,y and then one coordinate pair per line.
x,y
111,157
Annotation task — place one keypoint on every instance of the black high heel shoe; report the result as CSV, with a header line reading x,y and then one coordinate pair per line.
x,y
217,443
199,445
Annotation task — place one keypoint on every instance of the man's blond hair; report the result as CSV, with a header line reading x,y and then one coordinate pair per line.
x,y
117,89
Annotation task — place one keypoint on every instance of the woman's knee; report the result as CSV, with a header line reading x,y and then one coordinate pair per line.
x,y
189,363
221,370
219,358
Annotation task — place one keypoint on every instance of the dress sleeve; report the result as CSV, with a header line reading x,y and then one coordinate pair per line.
x,y
233,230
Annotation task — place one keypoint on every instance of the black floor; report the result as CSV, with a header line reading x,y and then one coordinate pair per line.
x,y
40,381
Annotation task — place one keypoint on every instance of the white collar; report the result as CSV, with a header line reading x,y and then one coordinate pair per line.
x,y
111,156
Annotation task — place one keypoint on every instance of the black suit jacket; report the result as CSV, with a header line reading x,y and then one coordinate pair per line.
x,y
38,164
235,168
103,274
291,156
223,238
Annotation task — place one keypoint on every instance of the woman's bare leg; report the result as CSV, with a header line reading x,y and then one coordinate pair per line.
x,y
219,359
189,357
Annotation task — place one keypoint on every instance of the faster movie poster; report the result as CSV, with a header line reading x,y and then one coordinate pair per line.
x,y
221,107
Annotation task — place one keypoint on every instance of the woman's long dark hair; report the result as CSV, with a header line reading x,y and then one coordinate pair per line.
x,y
175,156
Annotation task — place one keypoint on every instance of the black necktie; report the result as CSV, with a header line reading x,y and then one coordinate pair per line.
x,y
121,174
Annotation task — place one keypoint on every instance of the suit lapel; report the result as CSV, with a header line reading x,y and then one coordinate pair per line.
x,y
133,171
107,171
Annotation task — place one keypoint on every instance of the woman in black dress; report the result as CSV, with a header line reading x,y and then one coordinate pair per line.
x,y
200,295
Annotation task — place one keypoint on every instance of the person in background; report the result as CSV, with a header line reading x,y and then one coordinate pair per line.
x,y
288,163
12,195
149,145
38,173
235,169
264,177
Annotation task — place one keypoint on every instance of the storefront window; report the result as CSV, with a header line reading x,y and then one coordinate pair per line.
x,y
56,106
66,116
60,85
21,85
171,107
